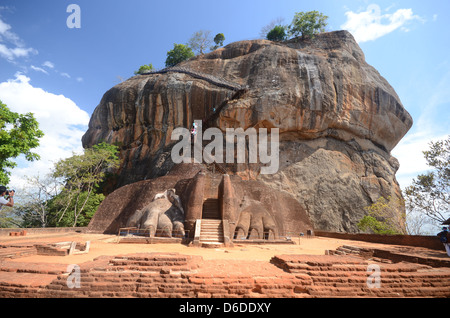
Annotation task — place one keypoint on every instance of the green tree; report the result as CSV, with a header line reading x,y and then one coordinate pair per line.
x,y
385,216
19,134
267,28
429,193
81,177
77,216
144,69
218,39
179,54
308,24
278,33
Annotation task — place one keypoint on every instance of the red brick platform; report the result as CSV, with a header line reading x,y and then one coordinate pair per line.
x,y
166,275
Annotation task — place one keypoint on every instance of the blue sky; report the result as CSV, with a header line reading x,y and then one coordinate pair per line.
x,y
61,73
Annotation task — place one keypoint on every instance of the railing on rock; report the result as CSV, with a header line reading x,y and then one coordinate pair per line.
x,y
218,81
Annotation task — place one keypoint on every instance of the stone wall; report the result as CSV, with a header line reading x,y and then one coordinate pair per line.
x,y
431,242
40,231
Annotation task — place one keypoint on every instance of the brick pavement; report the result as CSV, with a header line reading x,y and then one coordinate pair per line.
x,y
169,274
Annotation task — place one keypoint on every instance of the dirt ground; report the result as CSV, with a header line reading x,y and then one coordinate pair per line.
x,y
107,245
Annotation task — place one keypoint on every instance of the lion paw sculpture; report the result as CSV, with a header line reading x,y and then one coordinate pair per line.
x,y
254,221
164,215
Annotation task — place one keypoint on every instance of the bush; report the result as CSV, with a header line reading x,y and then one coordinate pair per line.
x,y
278,33
144,69
386,216
179,54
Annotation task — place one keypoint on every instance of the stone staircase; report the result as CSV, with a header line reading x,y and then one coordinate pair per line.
x,y
211,234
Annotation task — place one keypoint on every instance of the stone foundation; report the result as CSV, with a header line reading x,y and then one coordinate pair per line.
x,y
161,275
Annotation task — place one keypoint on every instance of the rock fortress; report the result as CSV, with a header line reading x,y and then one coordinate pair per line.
x,y
244,173
336,118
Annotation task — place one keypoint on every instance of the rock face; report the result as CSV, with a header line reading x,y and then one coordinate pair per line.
x,y
338,120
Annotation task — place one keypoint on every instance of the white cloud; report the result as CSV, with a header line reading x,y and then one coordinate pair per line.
x,y
48,64
430,125
39,69
409,153
371,24
11,46
4,27
12,53
65,75
61,120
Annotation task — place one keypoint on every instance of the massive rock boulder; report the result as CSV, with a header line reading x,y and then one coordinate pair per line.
x,y
338,119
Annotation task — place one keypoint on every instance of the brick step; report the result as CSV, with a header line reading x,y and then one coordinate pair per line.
x,y
327,291
385,268
137,268
432,276
384,283
16,252
204,239
211,231
338,292
213,226
143,263
214,229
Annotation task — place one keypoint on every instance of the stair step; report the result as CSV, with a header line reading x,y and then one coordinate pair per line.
x,y
202,240
211,231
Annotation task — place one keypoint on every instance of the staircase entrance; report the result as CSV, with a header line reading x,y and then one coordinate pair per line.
x,y
211,209
211,227
211,233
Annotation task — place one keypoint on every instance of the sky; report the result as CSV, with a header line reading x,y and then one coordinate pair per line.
x,y
59,70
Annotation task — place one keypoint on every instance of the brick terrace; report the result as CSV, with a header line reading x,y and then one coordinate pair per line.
x,y
116,270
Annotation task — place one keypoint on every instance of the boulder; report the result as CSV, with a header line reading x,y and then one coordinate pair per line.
x,y
338,120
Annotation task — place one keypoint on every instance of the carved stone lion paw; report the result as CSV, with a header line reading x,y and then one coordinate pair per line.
x,y
255,222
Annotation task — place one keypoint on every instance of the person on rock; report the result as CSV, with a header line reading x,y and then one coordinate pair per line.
x,y
194,133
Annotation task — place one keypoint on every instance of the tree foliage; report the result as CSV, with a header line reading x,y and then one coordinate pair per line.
x,y
430,192
69,196
200,41
178,54
308,24
144,69
278,33
384,218
267,28
81,175
218,39
80,209
19,134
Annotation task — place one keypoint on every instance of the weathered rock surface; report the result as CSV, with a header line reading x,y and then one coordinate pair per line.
x,y
338,119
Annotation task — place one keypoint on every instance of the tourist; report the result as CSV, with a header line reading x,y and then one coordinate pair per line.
x,y
194,132
6,202
443,236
